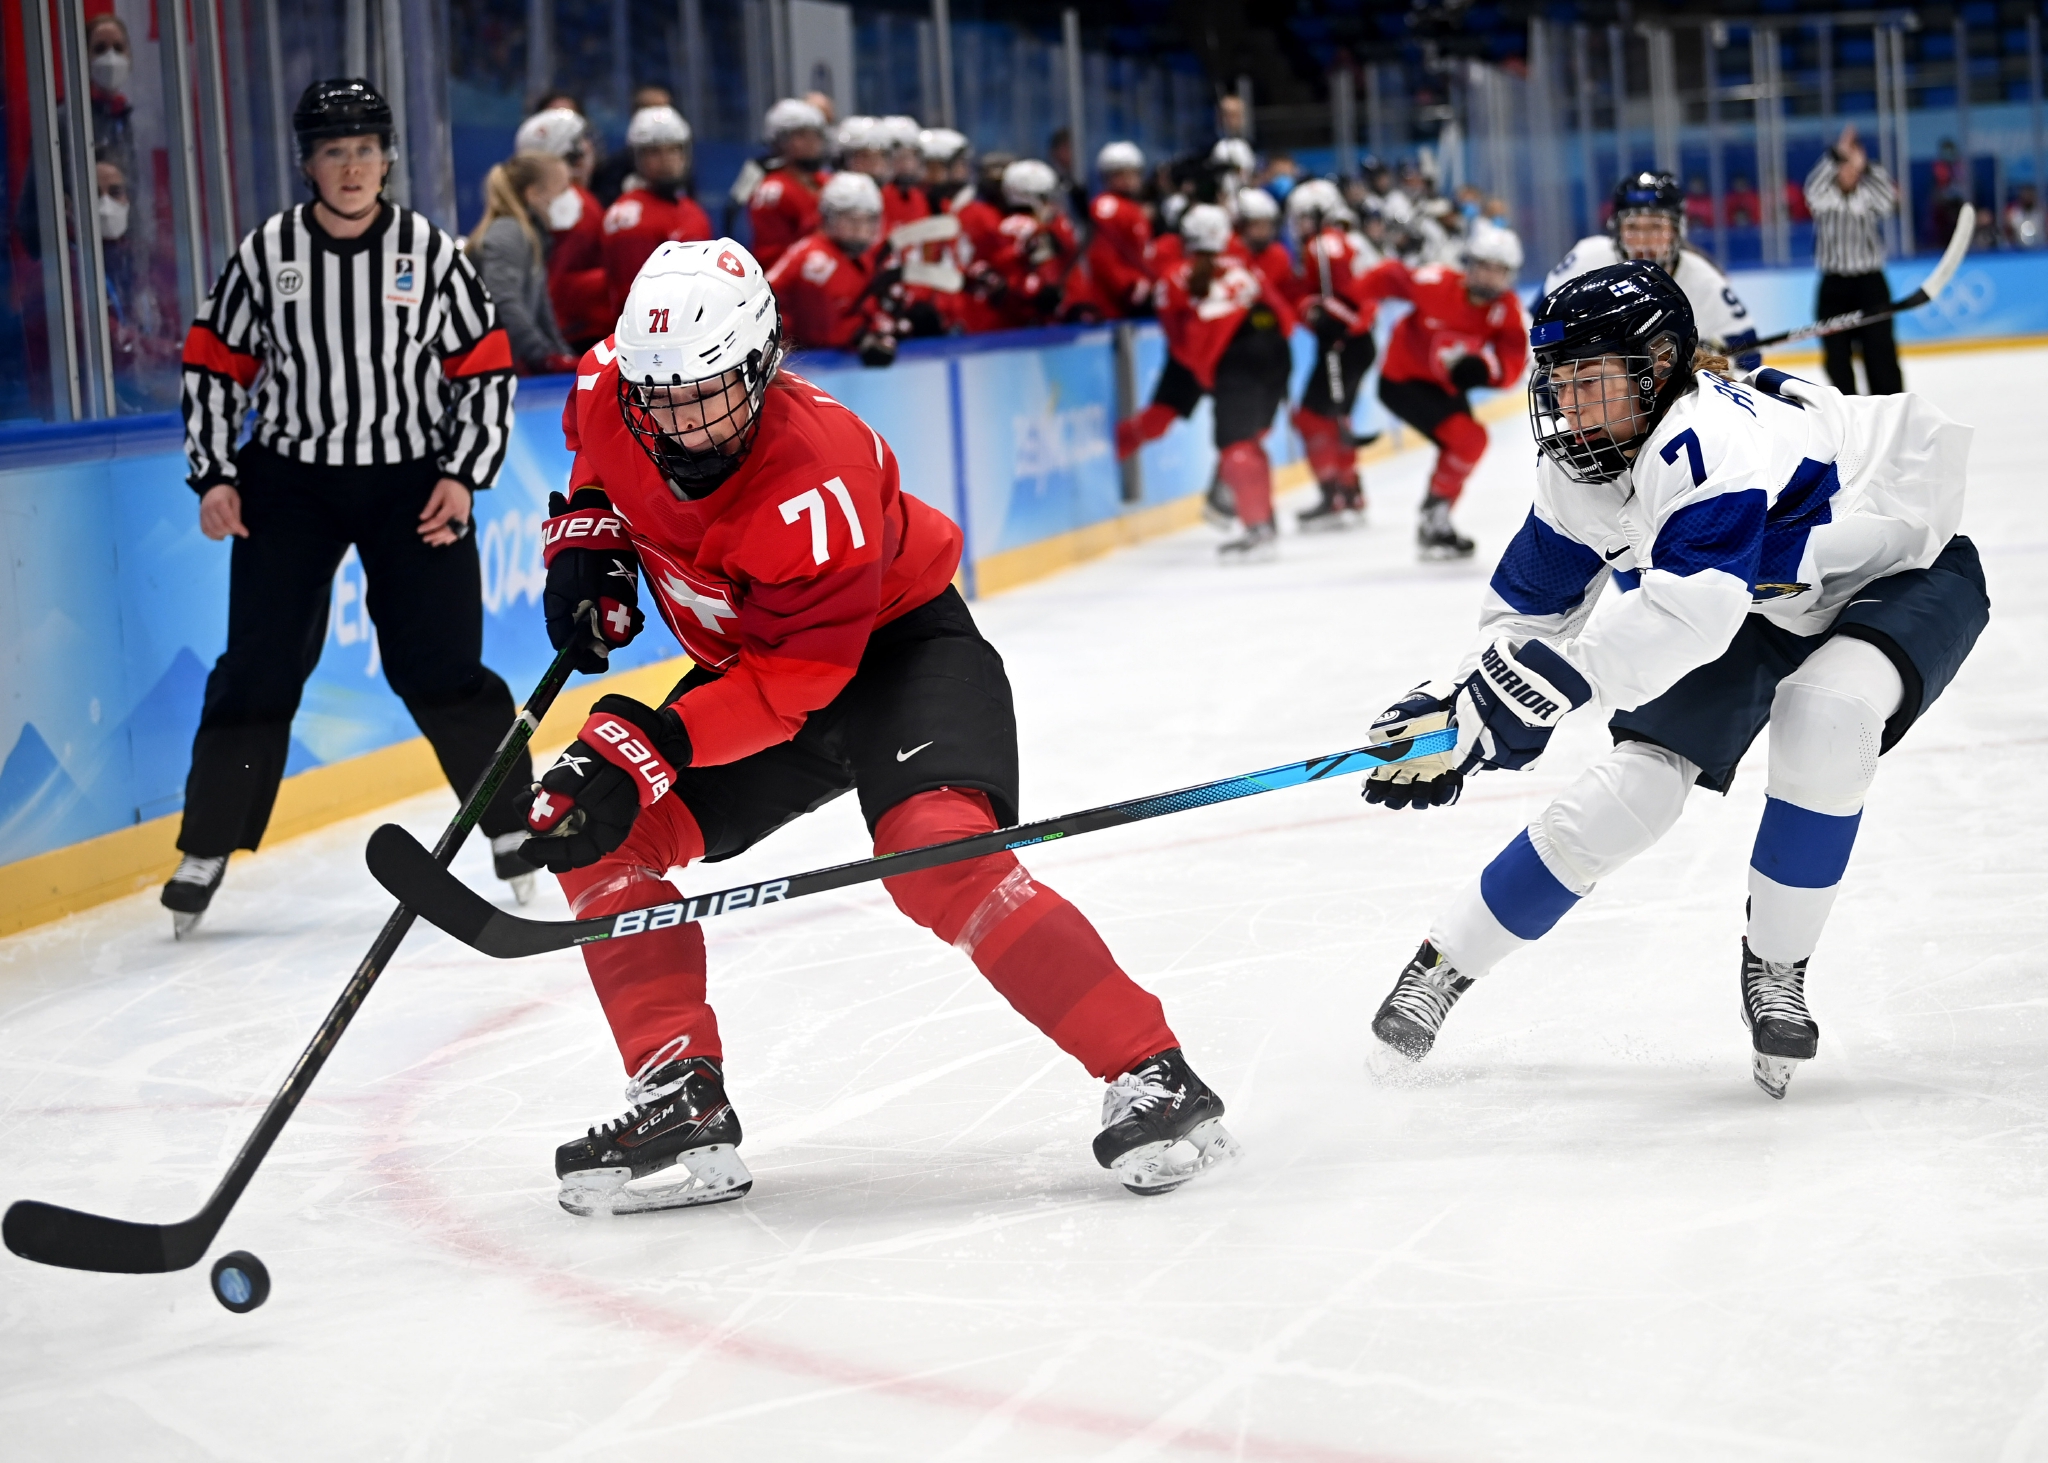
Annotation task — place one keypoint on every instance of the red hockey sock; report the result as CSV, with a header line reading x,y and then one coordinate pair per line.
x,y
651,986
1037,950
1461,442
1250,476
1330,458
1134,432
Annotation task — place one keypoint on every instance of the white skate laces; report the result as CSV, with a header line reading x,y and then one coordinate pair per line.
x,y
193,869
1135,1092
1777,992
1426,996
643,1089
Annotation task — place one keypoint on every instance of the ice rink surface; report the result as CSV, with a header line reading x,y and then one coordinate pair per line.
x,y
1579,1233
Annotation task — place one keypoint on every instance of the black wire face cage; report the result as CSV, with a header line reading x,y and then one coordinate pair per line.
x,y
1669,261
697,472
1629,396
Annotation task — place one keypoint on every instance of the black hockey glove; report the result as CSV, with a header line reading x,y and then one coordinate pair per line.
x,y
877,348
583,807
1329,329
593,588
1434,781
1470,373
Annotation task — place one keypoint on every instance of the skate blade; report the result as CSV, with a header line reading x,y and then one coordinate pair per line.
x,y
1157,1168
1773,1074
182,925
715,1175
522,888
1443,554
1263,553
1333,523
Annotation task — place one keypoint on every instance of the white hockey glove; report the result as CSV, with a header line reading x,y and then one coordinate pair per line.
x,y
1427,782
1515,700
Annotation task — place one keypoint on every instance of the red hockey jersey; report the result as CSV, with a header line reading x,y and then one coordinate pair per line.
x,y
783,209
824,294
903,203
1113,278
1446,325
638,224
1348,266
776,579
1199,331
576,284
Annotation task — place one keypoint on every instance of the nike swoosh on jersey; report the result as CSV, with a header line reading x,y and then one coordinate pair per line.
x,y
1610,558
906,756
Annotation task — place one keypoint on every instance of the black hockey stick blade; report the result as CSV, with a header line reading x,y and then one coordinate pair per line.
x,y
50,1234
1930,289
422,884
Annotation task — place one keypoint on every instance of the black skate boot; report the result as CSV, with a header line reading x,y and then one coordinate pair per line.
x,y
1414,1011
1782,1032
1161,1126
191,890
1219,505
1343,506
1258,544
679,1114
511,866
1434,536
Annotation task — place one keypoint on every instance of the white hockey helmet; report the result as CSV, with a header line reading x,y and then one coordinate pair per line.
x,y
1028,182
1255,205
657,127
941,145
791,114
1235,154
850,192
1312,203
858,134
898,132
697,313
1119,157
1205,229
1491,244
558,131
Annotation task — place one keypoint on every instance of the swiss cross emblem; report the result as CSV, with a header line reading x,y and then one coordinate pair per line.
x,y
730,263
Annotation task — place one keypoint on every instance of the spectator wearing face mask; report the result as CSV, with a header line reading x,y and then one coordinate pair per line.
x,y
576,284
138,353
110,61
657,207
509,247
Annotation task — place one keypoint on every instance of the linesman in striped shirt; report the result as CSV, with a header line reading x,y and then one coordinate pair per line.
x,y
383,390
1851,197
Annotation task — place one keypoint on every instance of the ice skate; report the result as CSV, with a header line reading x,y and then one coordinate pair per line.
x,y
1414,1011
1219,506
1343,507
679,1118
191,889
1782,1032
1161,1126
1256,545
509,865
1435,538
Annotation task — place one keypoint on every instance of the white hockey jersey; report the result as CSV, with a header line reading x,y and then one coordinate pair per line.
x,y
1775,496
1715,309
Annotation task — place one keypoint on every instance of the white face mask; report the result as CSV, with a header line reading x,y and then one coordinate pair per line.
x,y
564,212
110,70
113,214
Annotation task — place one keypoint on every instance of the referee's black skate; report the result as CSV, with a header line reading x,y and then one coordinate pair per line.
x,y
1161,1126
191,889
1435,538
679,1118
1782,1032
1414,1011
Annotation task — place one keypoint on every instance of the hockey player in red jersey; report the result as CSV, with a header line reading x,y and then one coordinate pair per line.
x,y
1226,336
1258,240
576,283
825,286
1113,279
832,655
656,209
1328,288
784,205
1465,331
1037,249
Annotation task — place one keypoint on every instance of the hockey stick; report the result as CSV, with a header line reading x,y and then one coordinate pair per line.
x,y
1930,288
412,875
52,1235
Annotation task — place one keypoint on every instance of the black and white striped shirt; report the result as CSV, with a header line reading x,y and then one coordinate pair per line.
x,y
361,352
1848,228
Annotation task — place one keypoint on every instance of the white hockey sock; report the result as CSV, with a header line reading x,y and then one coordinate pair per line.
x,y
1827,723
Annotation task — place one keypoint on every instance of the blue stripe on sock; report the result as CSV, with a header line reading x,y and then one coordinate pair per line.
x,y
1802,849
1523,895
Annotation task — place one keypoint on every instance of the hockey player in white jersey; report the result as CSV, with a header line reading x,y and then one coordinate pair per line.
x,y
1703,557
1648,222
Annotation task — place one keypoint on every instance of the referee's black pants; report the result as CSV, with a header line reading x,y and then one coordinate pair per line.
x,y
426,602
1839,294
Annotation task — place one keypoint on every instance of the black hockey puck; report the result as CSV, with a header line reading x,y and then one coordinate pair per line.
x,y
240,1282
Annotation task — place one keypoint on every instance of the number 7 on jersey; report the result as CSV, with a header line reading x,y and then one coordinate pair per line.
x,y
813,504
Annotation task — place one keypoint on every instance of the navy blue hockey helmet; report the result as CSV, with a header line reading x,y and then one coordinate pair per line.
x,y
1650,193
1613,349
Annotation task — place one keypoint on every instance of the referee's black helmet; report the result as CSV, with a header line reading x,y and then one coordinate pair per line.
x,y
340,107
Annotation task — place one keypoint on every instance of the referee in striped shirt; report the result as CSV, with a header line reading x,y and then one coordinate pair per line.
x,y
383,400
1851,197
